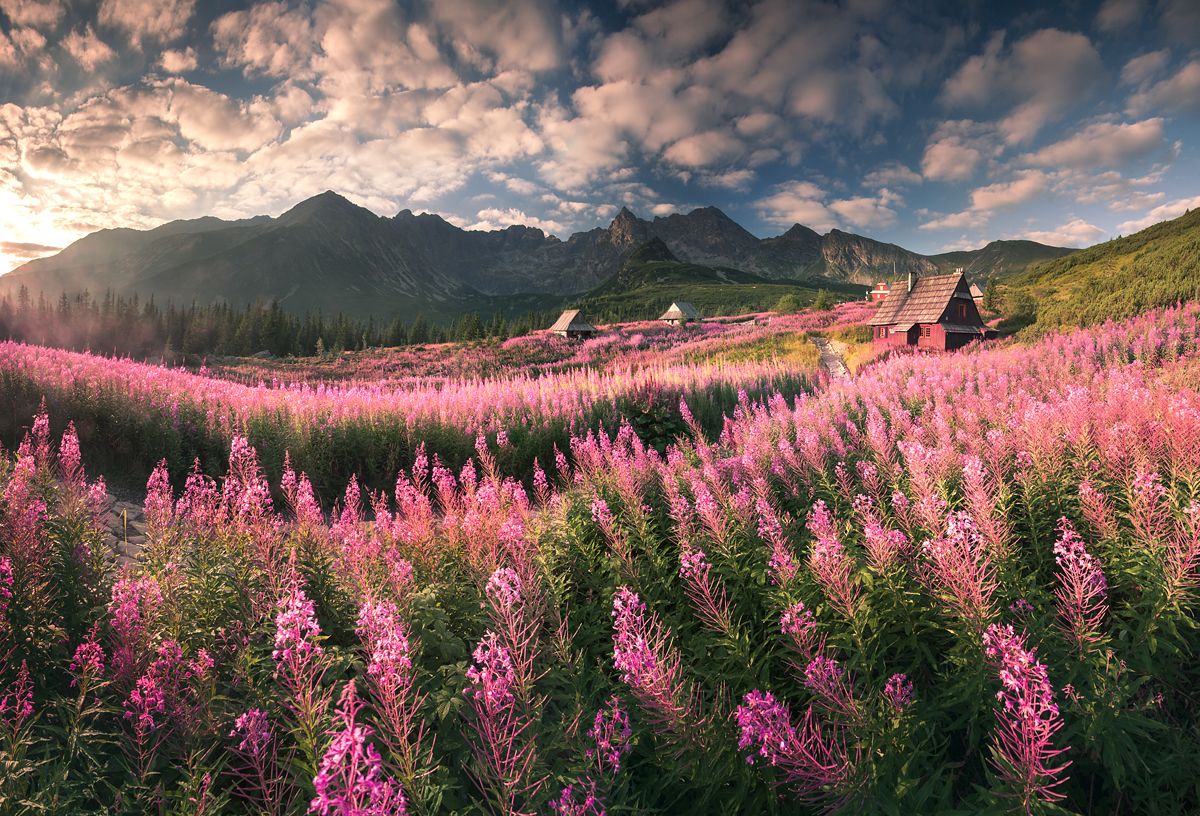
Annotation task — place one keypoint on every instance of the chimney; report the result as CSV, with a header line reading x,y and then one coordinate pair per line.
x,y
911,280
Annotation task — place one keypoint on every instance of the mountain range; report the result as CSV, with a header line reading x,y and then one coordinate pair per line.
x,y
329,253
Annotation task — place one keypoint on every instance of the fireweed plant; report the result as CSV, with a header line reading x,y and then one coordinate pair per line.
x,y
956,583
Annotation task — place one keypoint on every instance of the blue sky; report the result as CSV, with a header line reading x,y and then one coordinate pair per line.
x,y
936,126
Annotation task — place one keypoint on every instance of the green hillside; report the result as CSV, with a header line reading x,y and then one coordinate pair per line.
x,y
652,278
1156,267
999,259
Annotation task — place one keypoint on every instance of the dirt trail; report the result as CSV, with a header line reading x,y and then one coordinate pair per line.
x,y
831,359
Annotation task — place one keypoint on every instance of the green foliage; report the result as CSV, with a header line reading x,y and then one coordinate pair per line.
x,y
824,301
788,304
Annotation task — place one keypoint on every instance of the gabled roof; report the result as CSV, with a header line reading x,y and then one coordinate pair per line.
x,y
679,310
976,292
571,320
924,304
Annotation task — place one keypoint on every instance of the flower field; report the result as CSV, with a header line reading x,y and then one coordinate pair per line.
x,y
367,415
961,583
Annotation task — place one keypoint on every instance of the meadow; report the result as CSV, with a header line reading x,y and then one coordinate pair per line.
x,y
955,583
366,414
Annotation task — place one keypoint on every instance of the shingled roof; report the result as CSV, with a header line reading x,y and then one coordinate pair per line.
x,y
680,310
571,320
926,303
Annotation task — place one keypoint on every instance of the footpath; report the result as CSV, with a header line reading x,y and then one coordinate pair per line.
x,y
125,530
830,359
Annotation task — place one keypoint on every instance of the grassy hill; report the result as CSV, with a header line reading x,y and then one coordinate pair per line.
x,y
1158,266
1001,259
653,277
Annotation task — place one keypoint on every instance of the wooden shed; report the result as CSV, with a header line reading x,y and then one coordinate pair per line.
x,y
572,324
880,292
937,312
680,312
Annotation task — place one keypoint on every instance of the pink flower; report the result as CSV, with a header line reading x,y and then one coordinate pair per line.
x,y
899,692
611,731
1081,596
350,780
1028,719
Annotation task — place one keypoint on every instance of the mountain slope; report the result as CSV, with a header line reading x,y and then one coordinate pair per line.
x,y
331,254
1001,259
1156,267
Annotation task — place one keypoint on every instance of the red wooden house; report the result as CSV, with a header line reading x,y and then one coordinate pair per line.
x,y
937,312
880,292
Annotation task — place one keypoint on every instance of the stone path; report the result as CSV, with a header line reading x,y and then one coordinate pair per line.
x,y
831,359
126,530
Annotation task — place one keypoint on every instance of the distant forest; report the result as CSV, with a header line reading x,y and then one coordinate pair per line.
x,y
124,327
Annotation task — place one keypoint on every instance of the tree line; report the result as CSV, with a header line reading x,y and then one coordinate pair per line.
x,y
128,327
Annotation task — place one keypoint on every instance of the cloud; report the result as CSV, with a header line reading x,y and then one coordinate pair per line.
x,y
1103,144
157,20
802,202
892,174
178,62
267,38
1180,20
1147,66
1176,93
1075,233
1164,213
969,219
739,180
501,35
494,218
703,149
35,13
948,159
1037,80
87,49
26,250
1115,15
1029,185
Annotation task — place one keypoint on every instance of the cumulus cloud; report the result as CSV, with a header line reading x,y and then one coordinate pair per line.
x,y
1176,93
892,174
969,219
1164,213
1103,144
35,13
948,159
154,20
494,218
267,38
87,49
1075,233
502,35
178,62
1038,80
1115,15
802,202
1028,185
1147,66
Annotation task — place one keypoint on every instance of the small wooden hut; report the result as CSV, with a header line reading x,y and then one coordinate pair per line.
x,y
680,312
572,324
880,292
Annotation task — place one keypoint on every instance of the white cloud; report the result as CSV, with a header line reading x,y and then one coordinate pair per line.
x,y
36,13
178,62
1164,213
969,219
495,218
158,20
703,149
1103,144
1115,15
1037,80
1180,20
1029,185
1075,233
802,202
892,174
267,38
88,49
948,159
1179,92
501,35
1147,66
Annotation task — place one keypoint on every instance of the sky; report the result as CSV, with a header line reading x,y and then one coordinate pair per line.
x,y
933,125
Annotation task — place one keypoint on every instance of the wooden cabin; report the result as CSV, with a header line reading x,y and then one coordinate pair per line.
x,y
681,312
572,324
976,294
880,292
937,312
